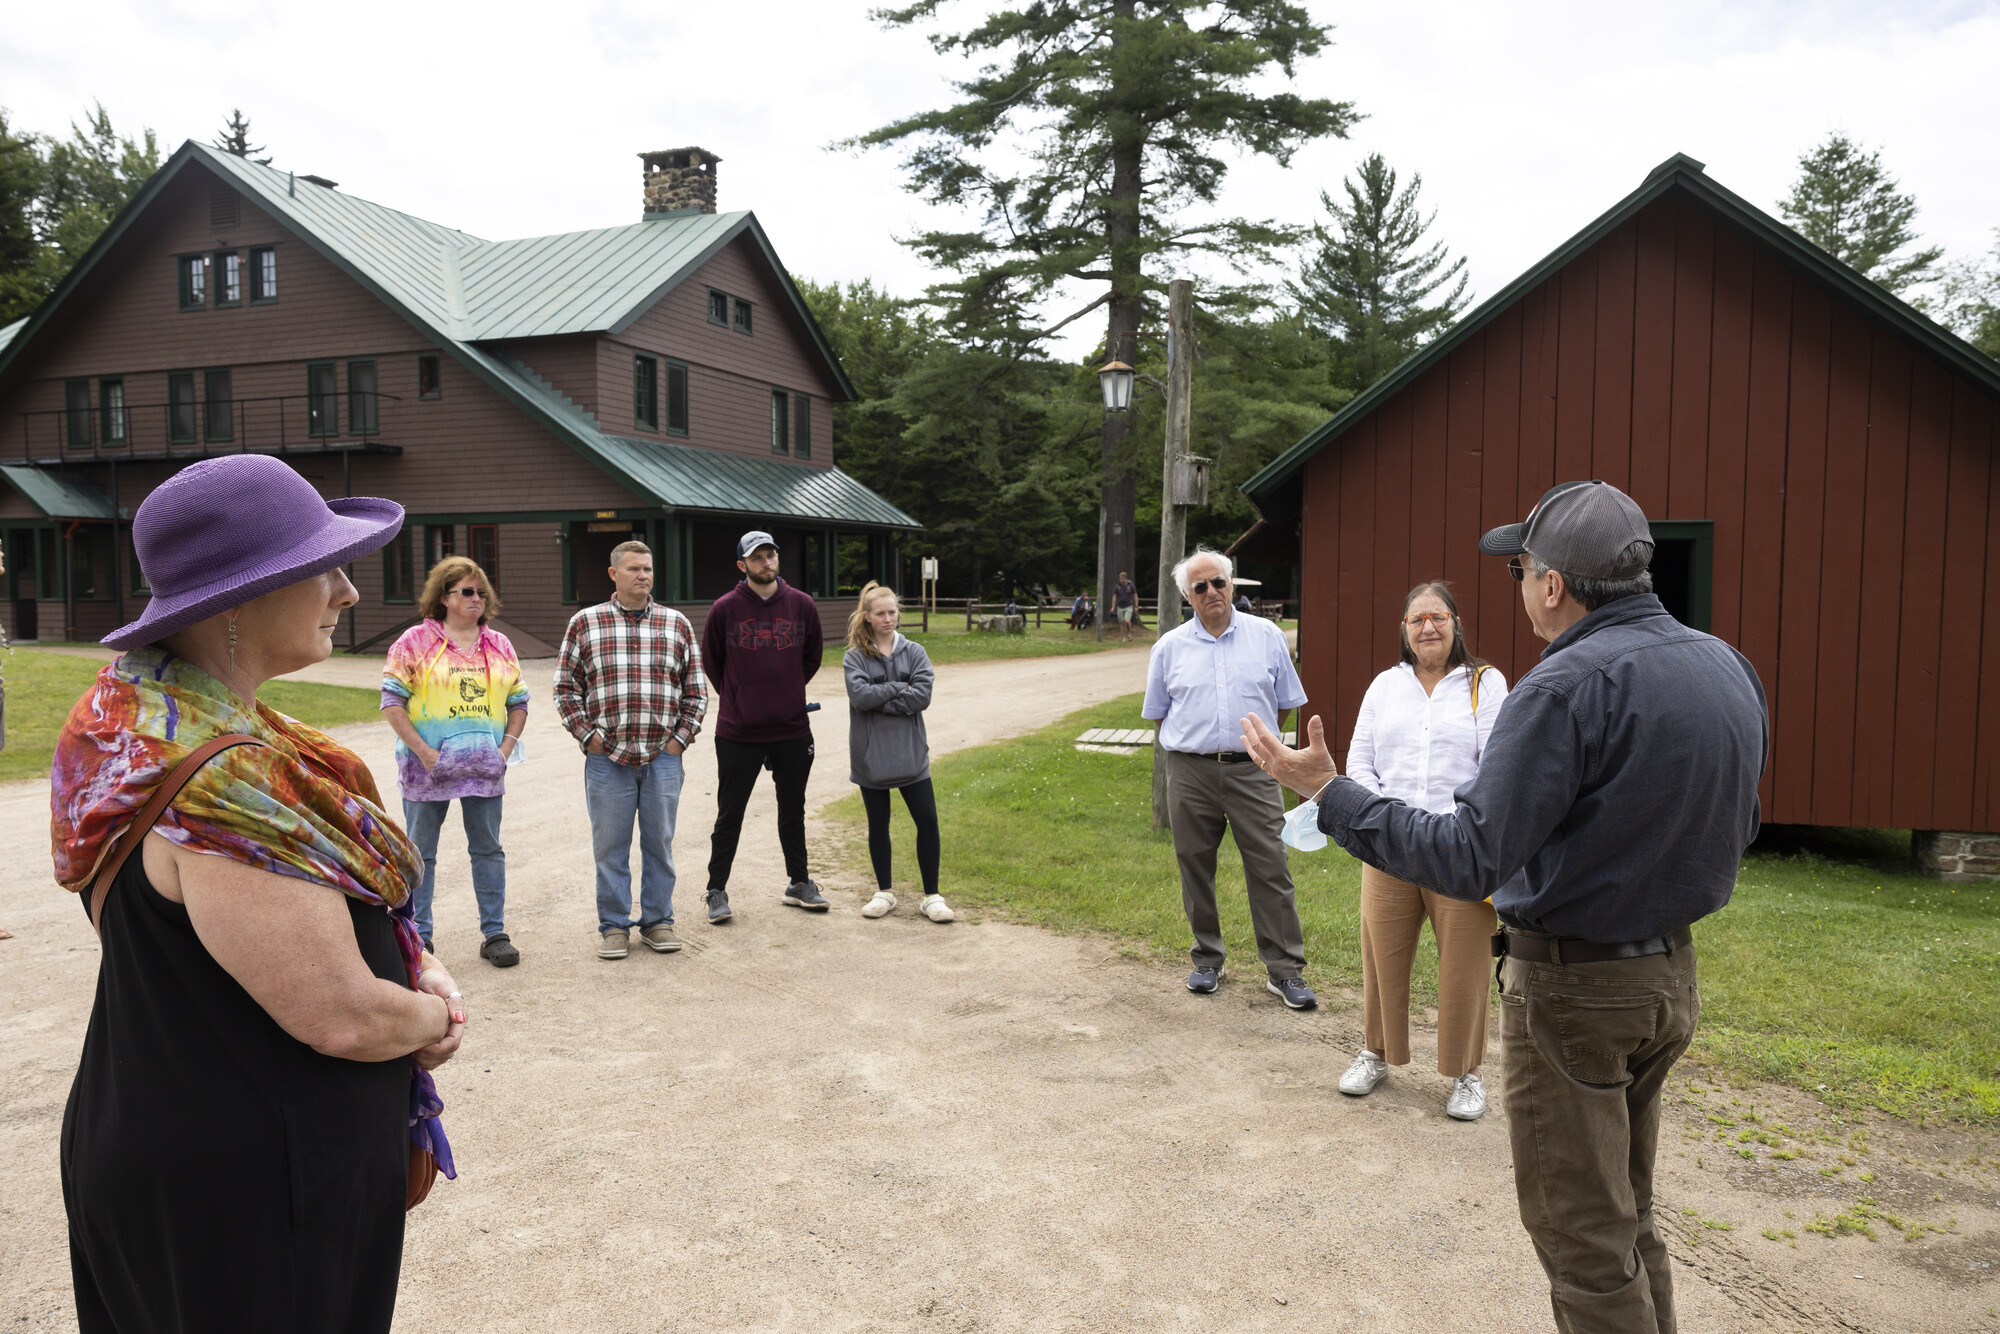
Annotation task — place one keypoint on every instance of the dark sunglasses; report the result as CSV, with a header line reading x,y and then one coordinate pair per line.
x,y
1202,587
1517,569
469,593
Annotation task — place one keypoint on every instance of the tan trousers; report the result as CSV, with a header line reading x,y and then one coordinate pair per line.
x,y
1393,913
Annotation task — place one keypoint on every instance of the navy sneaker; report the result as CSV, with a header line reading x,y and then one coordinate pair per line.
x,y
718,907
805,894
1293,992
1203,981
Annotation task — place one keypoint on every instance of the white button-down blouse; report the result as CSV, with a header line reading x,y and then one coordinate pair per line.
x,y
1419,748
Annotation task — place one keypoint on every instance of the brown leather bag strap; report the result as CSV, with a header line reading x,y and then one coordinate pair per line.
x,y
149,815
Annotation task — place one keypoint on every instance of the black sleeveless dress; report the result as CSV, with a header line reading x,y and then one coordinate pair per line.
x,y
219,1174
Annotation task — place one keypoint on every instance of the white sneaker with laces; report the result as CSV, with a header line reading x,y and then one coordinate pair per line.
x,y
1364,1076
881,905
1468,1099
937,909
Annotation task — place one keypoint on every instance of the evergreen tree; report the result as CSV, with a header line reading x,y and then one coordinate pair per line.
x,y
20,188
1848,205
235,138
1088,148
1968,300
1368,280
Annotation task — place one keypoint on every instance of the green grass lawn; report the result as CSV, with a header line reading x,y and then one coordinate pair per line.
x,y
41,688
948,640
1835,968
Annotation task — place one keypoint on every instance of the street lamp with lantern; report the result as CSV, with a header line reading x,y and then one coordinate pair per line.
x,y
1115,378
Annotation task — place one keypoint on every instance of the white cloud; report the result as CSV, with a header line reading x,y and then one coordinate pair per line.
x,y
510,119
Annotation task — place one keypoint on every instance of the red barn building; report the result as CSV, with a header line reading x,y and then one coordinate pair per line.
x,y
1817,458
530,403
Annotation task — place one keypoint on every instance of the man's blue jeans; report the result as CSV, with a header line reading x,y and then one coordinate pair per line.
x,y
617,794
482,839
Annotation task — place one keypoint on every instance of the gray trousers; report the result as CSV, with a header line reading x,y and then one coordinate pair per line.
x,y
1203,795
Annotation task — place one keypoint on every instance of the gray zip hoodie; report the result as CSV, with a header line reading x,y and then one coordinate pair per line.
x,y
886,699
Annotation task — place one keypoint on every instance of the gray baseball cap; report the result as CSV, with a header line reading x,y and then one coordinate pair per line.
x,y
753,539
1580,528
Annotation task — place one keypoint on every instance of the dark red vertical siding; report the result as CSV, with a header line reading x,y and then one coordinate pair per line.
x,y
1848,478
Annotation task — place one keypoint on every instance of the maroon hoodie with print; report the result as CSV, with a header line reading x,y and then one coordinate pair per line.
x,y
758,656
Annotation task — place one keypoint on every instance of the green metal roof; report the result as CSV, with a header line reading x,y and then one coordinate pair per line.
x,y
465,291
684,478
1685,174
58,496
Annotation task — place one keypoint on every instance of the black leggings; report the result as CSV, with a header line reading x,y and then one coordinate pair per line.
x,y
922,802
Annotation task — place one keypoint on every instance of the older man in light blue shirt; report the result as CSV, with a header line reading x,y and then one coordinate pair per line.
x,y
1205,677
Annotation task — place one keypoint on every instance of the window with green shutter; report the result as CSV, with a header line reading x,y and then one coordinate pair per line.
x,y
645,392
781,422
802,429
364,400
111,411
677,398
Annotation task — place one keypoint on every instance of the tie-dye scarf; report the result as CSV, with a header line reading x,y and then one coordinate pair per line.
x,y
300,805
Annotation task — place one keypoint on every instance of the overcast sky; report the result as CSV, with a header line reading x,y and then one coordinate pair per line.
x,y
1526,120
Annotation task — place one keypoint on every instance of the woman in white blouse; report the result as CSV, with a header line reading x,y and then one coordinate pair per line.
x,y
1422,728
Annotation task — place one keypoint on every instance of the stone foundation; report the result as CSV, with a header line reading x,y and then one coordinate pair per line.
x,y
1961,857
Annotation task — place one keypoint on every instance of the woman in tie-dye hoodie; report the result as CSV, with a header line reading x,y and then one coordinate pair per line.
x,y
452,690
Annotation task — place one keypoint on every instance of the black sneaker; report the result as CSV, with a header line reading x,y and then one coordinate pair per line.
x,y
499,951
718,907
1293,992
805,894
1204,980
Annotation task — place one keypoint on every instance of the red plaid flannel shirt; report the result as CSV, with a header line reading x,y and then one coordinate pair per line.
x,y
634,676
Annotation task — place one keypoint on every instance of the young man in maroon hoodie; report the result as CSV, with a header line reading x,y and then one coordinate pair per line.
x,y
760,647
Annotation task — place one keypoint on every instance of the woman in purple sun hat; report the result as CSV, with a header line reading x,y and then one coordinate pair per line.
x,y
254,1093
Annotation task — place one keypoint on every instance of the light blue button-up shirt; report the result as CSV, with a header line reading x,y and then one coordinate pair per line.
x,y
1200,687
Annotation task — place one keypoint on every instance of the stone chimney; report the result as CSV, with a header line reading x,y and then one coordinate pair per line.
x,y
680,180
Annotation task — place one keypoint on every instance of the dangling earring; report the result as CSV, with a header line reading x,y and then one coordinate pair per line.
x,y
232,647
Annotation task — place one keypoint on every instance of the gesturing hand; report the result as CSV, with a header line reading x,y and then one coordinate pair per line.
x,y
1303,771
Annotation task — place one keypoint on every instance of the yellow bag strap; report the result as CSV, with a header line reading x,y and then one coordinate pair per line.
x,y
1475,692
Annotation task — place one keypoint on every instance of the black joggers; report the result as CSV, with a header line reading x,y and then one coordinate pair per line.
x,y
922,801
736,767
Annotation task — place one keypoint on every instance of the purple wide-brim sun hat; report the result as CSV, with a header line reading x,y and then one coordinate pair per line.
x,y
224,531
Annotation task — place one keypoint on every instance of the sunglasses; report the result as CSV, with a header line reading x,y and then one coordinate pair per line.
x,y
469,593
1220,585
1518,569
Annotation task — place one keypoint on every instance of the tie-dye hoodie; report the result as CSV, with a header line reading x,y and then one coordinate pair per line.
x,y
459,703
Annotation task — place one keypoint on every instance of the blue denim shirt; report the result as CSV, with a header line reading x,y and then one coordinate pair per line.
x,y
1615,798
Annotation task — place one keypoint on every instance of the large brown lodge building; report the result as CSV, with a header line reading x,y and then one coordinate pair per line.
x,y
530,403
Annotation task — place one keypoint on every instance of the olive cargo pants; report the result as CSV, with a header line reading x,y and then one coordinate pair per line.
x,y
1203,797
1588,1047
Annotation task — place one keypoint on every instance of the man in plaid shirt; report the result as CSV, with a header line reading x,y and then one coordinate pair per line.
x,y
629,688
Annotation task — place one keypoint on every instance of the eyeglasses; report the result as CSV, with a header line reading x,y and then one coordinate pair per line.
x,y
1221,585
469,593
1441,619
1518,568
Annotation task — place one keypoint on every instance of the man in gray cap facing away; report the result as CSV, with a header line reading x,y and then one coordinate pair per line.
x,y
1611,811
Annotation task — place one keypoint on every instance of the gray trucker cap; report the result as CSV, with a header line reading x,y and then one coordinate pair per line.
x,y
1580,528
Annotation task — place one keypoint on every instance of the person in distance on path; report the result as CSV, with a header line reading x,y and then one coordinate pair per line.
x,y
629,688
1125,603
1613,803
888,688
761,645
1203,677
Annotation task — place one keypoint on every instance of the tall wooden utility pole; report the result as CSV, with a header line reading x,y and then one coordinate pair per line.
x,y
1183,485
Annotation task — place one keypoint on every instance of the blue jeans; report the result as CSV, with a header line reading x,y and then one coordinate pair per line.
x,y
489,863
616,794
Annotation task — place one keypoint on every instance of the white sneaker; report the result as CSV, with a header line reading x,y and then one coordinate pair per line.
x,y
1468,1099
1364,1076
881,905
937,909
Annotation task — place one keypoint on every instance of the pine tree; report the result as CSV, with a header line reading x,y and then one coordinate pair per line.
x,y
1848,205
1089,148
235,138
21,170
1368,280
1968,299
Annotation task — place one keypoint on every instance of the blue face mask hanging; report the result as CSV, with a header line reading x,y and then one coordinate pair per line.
x,y
1301,829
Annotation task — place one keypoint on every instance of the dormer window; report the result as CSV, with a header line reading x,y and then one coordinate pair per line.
x,y
742,316
193,282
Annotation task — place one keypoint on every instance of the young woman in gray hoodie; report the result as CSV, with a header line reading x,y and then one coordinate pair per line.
x,y
888,689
